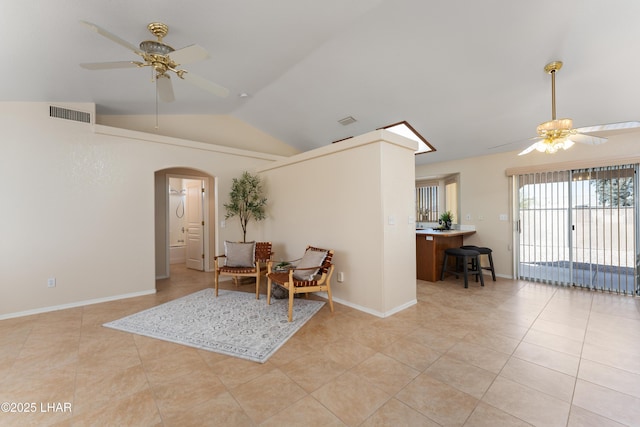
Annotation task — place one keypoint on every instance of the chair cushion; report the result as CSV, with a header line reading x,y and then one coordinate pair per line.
x,y
239,254
312,258
461,252
481,249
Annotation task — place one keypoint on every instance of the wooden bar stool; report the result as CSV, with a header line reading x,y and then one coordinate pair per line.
x,y
467,258
483,251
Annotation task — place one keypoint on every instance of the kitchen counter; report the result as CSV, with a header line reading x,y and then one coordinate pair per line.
x,y
430,246
445,233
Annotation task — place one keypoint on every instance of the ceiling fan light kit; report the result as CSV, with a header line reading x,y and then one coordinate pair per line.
x,y
554,135
551,146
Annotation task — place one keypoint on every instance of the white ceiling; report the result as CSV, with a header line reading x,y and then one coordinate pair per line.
x,y
468,75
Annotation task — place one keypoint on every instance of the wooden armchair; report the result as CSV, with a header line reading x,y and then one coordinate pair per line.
x,y
312,273
243,260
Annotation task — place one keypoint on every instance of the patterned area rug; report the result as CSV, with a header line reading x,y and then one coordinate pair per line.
x,y
235,323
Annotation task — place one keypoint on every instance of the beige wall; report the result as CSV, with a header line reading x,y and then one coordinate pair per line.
x,y
78,205
222,130
341,197
485,188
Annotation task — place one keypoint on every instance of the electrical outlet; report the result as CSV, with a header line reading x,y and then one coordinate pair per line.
x,y
341,276
51,282
223,224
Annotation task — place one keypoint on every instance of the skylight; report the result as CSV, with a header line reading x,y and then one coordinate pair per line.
x,y
405,129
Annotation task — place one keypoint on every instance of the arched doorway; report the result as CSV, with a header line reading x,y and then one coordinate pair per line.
x,y
162,217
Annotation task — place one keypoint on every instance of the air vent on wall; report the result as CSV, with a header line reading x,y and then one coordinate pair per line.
x,y
67,114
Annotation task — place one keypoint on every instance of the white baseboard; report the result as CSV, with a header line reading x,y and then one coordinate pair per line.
x,y
368,310
75,304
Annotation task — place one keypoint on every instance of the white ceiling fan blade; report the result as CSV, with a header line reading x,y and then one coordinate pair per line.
x,y
587,139
189,54
535,138
112,37
110,65
205,84
165,88
530,148
609,126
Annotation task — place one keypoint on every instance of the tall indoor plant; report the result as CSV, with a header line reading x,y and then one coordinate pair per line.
x,y
246,200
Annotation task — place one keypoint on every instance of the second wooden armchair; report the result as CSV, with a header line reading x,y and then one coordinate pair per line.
x,y
312,273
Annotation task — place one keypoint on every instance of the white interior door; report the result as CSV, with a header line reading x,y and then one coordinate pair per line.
x,y
195,225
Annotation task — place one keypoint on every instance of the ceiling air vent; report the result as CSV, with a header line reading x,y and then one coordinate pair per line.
x,y
347,121
67,114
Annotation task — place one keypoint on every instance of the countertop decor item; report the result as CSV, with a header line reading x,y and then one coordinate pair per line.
x,y
446,218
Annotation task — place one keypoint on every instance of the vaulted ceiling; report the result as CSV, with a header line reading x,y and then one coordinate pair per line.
x,y
467,75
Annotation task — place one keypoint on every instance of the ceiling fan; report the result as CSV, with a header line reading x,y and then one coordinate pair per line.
x,y
559,134
162,58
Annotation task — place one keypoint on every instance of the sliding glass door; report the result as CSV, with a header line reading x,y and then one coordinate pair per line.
x,y
579,228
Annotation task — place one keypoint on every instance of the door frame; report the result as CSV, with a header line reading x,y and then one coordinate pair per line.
x,y
161,218
571,204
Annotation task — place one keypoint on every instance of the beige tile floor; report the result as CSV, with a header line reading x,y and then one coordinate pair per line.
x,y
509,354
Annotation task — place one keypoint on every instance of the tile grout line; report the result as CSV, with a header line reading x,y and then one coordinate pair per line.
x,y
584,340
511,356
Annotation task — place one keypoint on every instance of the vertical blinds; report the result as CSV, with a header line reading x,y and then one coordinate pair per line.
x,y
427,203
579,228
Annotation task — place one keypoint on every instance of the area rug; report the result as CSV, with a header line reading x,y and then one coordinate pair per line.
x,y
234,323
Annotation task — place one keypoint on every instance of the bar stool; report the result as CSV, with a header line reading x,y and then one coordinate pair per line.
x,y
464,257
483,251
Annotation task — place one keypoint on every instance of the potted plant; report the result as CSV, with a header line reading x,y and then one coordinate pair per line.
x,y
246,200
446,218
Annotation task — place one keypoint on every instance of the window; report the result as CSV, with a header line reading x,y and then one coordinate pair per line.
x,y
405,129
401,128
451,198
427,202
436,195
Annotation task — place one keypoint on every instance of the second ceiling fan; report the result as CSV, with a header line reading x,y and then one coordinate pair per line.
x,y
559,134
164,59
